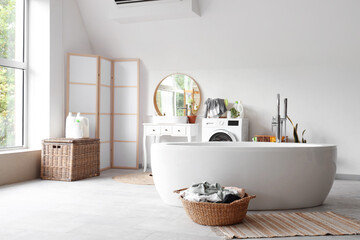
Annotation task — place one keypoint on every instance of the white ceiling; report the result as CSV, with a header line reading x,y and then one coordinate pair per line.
x,y
232,33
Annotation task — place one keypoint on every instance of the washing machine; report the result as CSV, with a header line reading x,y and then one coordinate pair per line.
x,y
225,130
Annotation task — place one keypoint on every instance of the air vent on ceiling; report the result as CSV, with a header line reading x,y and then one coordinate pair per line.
x,y
152,10
118,2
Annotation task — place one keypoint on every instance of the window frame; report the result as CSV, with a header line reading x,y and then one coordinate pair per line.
x,y
21,66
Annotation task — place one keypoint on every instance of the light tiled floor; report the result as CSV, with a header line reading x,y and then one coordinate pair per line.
x,y
101,208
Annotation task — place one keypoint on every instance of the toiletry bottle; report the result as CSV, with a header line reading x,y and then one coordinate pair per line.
x,y
77,129
234,114
228,113
239,107
69,125
84,125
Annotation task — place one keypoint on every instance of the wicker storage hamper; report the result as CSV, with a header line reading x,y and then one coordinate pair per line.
x,y
216,214
66,159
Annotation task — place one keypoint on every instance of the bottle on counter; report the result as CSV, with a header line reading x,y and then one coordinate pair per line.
x,y
239,107
69,125
77,127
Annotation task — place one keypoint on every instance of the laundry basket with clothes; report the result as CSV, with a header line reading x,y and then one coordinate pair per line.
x,y
214,205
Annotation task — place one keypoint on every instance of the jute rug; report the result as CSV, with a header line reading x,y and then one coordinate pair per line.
x,y
289,225
136,178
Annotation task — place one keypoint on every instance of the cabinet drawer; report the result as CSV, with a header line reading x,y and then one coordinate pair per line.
x,y
166,130
153,130
179,131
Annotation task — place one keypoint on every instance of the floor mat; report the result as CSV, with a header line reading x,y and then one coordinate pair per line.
x,y
289,225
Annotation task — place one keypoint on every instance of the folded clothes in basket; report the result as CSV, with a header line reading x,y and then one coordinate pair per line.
x,y
215,193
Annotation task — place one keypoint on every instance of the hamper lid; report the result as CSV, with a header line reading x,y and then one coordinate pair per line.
x,y
70,140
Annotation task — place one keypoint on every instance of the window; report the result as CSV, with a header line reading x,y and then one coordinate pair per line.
x,y
12,73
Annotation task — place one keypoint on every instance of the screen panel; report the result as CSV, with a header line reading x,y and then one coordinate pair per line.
x,y
126,73
82,84
104,155
105,100
92,124
125,127
105,71
125,154
126,114
105,128
83,69
125,100
82,98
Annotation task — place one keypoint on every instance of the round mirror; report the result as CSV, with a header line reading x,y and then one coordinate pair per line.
x,y
176,95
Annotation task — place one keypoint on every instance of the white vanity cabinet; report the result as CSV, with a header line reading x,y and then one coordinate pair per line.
x,y
152,130
156,130
179,131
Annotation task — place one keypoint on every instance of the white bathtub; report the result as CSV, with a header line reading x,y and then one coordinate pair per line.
x,y
281,175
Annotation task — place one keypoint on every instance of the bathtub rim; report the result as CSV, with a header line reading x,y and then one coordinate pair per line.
x,y
247,145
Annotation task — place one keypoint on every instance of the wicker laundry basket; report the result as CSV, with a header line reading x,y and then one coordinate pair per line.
x,y
67,159
216,214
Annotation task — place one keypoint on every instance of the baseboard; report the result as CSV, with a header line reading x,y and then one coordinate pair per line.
x,y
104,169
108,168
352,177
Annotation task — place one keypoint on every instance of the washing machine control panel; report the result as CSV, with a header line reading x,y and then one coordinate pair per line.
x,y
223,123
233,123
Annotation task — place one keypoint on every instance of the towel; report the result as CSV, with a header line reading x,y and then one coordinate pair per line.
x,y
207,192
214,107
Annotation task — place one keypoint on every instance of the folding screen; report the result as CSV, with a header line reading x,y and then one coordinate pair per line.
x,y
126,113
105,112
107,92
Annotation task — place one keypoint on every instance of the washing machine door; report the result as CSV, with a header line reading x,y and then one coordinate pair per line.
x,y
222,136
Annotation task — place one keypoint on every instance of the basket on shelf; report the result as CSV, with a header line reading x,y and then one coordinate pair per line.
x,y
66,159
216,214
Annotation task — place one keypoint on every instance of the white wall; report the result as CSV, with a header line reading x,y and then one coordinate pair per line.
x,y
75,37
39,72
307,50
56,70
55,27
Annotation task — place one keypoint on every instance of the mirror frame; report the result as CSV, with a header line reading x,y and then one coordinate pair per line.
x,y
157,87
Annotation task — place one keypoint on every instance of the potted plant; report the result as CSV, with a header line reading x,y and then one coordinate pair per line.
x,y
192,106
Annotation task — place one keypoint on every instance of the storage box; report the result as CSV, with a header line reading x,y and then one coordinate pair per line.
x,y
66,159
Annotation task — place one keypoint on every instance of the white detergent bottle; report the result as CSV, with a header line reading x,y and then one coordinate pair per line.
x,y
84,123
77,129
70,120
239,107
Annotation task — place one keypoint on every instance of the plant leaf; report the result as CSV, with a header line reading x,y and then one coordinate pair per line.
x,y
296,136
302,137
291,121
